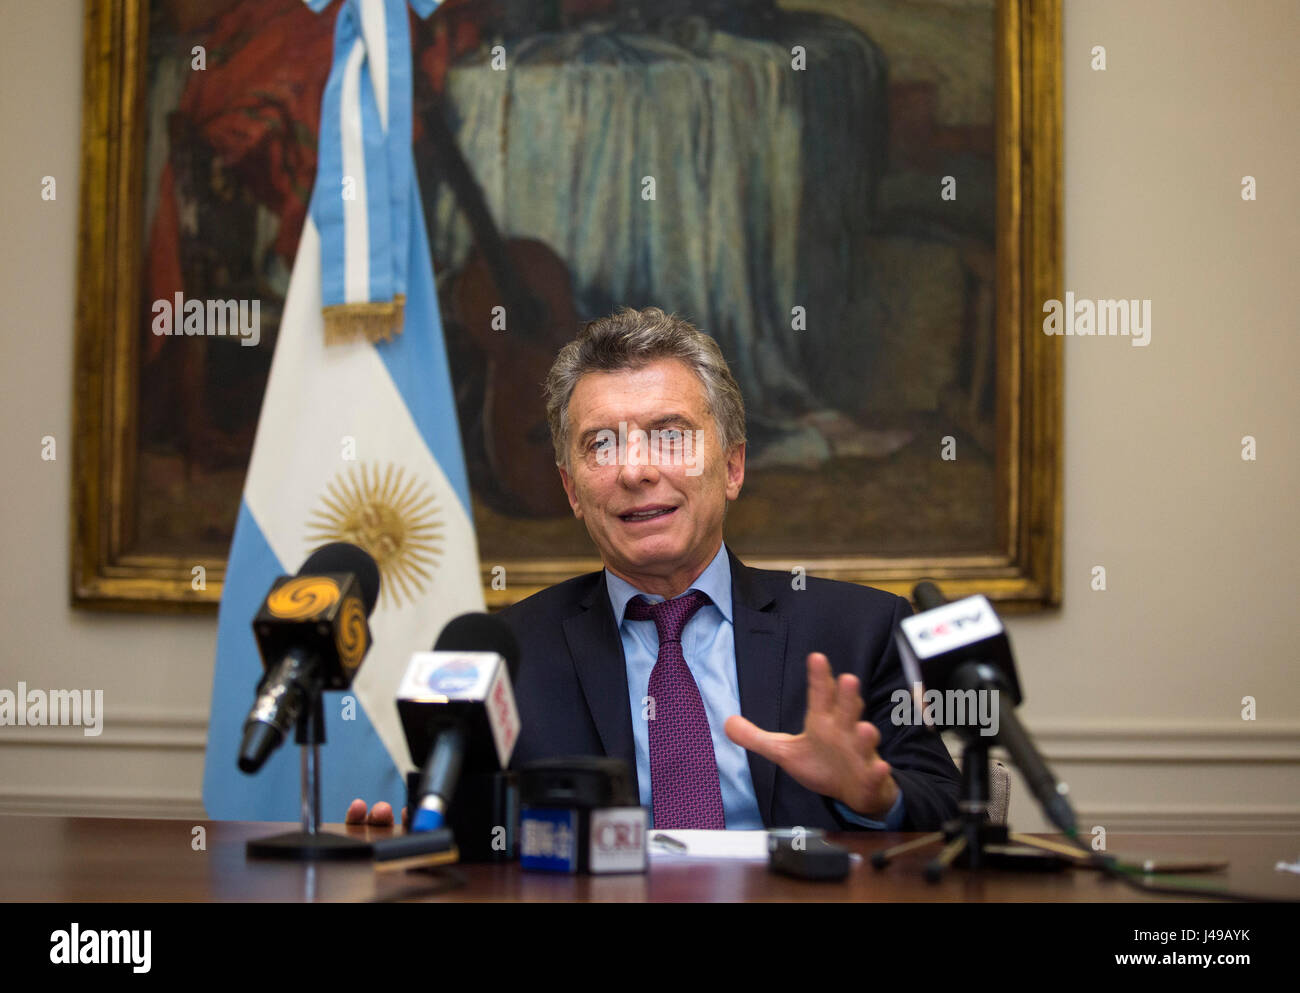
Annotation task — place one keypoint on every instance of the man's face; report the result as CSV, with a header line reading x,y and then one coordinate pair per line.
x,y
653,524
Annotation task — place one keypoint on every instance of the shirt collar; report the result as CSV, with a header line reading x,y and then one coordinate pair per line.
x,y
715,581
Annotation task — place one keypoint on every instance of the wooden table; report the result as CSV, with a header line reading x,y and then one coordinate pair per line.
x,y
81,859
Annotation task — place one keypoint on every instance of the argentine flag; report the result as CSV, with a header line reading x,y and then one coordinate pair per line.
x,y
358,439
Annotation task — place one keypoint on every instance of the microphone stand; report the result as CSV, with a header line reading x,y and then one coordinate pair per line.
x,y
971,841
311,844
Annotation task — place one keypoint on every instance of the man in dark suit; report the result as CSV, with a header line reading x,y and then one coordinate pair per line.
x,y
734,694
573,694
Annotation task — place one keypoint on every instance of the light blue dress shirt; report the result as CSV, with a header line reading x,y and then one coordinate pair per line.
x,y
709,646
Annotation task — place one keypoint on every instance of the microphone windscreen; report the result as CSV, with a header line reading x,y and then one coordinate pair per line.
x,y
927,595
479,632
340,556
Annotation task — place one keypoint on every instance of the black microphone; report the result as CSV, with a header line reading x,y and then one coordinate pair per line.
x,y
458,710
312,634
961,645
927,595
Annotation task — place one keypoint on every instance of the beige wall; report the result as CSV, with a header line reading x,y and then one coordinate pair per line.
x,y
1135,693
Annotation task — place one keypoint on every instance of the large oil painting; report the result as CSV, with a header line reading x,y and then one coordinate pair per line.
x,y
859,199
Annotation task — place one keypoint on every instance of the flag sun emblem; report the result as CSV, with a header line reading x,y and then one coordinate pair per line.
x,y
393,516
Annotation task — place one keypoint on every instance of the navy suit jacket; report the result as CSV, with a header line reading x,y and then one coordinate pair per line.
x,y
572,690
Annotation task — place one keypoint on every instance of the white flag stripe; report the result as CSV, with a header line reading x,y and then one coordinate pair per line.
x,y
356,224
374,29
316,397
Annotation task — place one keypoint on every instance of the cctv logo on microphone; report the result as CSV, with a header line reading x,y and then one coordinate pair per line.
x,y
952,626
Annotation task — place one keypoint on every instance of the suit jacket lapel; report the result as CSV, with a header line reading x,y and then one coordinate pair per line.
x,y
760,636
597,652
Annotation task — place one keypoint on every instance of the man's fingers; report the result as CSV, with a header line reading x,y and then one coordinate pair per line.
x,y
868,737
381,815
848,701
821,684
749,735
356,812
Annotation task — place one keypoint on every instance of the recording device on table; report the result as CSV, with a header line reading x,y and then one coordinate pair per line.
x,y
806,854
581,815
312,633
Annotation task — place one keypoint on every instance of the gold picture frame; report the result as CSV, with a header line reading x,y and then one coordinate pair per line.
x,y
1023,574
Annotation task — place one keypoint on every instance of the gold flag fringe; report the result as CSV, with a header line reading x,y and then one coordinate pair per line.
x,y
373,322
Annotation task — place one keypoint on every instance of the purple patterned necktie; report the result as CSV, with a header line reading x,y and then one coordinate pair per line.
x,y
683,771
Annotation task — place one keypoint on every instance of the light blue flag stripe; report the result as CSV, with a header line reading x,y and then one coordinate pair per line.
x,y
326,206
401,167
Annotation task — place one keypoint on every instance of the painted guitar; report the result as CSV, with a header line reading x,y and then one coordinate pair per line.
x,y
534,285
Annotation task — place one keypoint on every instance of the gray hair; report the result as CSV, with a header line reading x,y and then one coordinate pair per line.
x,y
628,340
